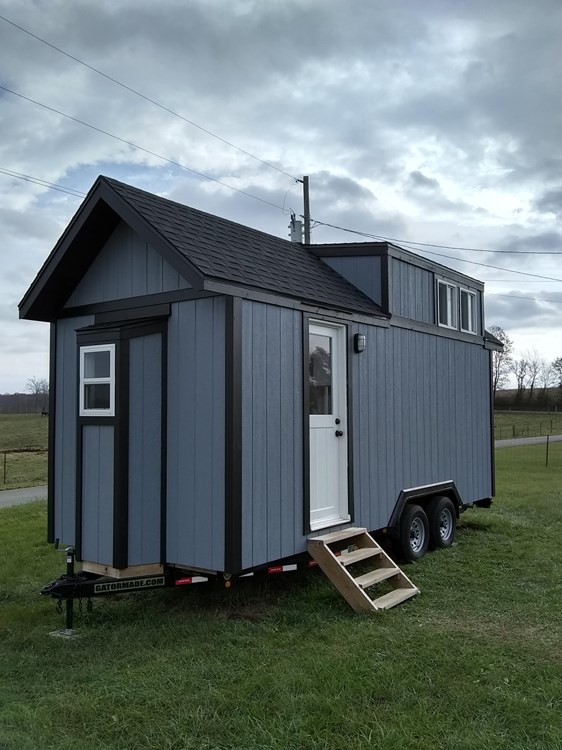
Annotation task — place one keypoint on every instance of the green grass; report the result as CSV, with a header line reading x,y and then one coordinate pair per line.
x,y
18,434
474,663
19,431
27,469
510,424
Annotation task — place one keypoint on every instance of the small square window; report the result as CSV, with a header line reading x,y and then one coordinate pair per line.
x,y
97,381
468,311
446,304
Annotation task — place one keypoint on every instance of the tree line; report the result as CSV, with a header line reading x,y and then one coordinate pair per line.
x,y
534,376
34,401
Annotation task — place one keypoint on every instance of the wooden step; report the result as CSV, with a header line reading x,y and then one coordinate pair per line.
x,y
348,558
376,576
394,597
337,536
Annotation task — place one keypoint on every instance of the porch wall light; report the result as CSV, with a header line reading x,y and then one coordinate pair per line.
x,y
359,343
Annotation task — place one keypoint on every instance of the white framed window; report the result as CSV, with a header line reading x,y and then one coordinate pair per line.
x,y
446,304
468,311
97,380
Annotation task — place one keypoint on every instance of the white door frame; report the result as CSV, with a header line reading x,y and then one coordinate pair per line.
x,y
327,425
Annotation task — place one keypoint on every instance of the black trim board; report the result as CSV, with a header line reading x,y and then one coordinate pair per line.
x,y
121,458
390,250
233,436
305,426
51,436
122,307
164,445
492,428
96,219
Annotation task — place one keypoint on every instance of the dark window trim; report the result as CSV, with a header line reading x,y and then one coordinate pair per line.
x,y
233,436
120,335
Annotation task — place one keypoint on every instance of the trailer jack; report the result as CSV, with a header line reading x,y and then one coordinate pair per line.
x,y
84,585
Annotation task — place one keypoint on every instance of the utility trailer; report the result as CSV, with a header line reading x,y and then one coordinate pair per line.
x,y
224,401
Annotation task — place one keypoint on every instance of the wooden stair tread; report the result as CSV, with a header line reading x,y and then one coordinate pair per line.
x,y
395,597
348,558
337,536
375,576
335,565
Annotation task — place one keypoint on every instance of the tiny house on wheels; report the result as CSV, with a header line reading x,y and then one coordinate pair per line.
x,y
224,401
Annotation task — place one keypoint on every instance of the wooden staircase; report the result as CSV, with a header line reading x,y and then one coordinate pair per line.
x,y
338,552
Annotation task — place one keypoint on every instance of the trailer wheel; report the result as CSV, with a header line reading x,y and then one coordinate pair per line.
x,y
414,533
442,519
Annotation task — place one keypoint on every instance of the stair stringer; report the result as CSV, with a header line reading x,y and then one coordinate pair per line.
x,y
352,589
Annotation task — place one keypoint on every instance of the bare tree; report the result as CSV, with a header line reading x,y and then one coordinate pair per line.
x,y
501,362
557,367
547,378
520,368
39,388
534,366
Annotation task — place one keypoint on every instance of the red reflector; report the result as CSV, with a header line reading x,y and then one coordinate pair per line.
x,y
183,581
275,569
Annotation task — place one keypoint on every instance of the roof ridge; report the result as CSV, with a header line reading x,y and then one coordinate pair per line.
x,y
184,206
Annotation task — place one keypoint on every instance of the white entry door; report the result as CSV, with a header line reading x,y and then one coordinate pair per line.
x,y
327,407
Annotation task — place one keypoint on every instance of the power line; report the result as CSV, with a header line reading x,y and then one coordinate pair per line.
x,y
442,255
441,247
148,99
530,299
139,148
42,183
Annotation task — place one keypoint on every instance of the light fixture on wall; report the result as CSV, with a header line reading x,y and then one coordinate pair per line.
x,y
359,343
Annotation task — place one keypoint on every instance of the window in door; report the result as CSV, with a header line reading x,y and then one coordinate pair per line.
x,y
320,374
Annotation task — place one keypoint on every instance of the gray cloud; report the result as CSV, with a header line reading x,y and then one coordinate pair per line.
x,y
434,121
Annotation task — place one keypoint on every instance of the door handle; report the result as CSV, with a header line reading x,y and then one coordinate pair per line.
x,y
339,433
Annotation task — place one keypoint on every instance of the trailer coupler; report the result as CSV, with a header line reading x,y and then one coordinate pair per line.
x,y
85,585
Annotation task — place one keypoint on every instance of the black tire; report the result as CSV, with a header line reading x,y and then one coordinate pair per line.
x,y
442,518
413,539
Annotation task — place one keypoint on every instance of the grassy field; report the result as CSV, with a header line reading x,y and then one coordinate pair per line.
x,y
510,424
474,663
19,431
20,466
24,431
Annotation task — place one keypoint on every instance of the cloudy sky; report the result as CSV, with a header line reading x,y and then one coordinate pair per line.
x,y
432,122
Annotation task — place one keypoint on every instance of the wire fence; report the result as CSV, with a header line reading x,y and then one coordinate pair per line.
x,y
25,467
532,454
534,429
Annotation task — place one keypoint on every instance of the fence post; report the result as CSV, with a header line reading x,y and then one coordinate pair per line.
x,y
5,454
547,443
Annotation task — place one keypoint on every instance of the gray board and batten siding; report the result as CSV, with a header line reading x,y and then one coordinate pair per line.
x,y
272,433
417,419
145,450
98,444
66,427
126,266
196,434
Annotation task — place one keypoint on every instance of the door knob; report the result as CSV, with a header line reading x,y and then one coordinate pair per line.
x,y
339,433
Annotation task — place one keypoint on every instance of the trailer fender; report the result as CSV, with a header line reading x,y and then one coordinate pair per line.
x,y
418,494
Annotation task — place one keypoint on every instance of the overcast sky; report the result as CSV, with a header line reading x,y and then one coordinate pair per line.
x,y
436,122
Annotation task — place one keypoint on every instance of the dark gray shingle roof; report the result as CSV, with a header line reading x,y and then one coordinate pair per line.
x,y
221,249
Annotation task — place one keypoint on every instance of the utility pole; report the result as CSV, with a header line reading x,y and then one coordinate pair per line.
x,y
306,215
